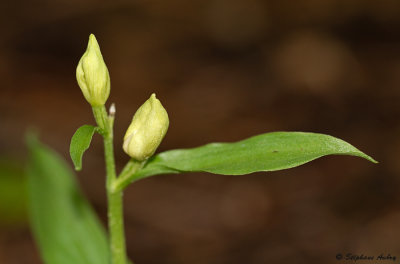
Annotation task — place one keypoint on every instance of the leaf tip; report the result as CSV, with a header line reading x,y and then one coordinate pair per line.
x,y
367,157
372,159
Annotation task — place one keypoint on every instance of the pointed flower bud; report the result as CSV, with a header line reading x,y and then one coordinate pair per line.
x,y
92,74
147,129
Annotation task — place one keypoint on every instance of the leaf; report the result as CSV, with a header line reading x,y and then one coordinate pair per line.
x,y
265,152
80,142
64,225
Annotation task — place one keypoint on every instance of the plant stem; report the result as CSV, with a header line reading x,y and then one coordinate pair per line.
x,y
130,168
116,227
114,197
100,115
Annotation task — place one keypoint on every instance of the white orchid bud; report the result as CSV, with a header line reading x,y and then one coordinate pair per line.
x,y
147,129
92,74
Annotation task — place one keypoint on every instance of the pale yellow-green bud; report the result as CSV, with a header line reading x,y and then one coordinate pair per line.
x,y
92,74
147,129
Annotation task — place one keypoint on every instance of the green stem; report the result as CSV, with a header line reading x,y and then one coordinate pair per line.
x,y
114,196
100,115
125,176
116,227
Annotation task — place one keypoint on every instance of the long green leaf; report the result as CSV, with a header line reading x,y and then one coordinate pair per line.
x,y
64,224
80,142
266,152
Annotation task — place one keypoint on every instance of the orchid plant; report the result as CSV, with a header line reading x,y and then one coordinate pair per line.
x,y
64,224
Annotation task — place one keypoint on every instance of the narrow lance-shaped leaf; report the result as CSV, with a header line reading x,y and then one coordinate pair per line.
x,y
265,152
64,224
80,142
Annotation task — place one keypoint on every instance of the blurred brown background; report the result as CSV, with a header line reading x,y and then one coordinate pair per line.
x,y
224,70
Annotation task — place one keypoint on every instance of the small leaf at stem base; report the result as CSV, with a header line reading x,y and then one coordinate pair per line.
x,y
80,142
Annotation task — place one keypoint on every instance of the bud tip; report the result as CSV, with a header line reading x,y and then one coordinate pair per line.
x,y
92,40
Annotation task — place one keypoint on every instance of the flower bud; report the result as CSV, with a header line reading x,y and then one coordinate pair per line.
x,y
147,129
92,74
